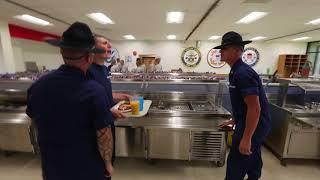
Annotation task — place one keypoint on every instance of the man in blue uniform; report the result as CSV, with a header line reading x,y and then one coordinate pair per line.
x,y
71,113
100,73
250,112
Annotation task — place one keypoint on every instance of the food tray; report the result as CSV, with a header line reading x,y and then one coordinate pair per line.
x,y
146,106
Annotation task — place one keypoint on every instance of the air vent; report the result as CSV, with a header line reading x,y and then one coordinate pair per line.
x,y
207,146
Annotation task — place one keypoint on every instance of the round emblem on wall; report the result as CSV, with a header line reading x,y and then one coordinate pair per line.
x,y
191,57
250,56
114,55
214,58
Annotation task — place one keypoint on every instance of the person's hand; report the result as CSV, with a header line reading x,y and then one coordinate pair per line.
x,y
109,169
245,146
227,124
117,114
121,96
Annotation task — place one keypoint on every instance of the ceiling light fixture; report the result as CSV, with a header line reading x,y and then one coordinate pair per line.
x,y
129,37
214,37
251,17
301,38
258,38
33,20
171,37
314,22
100,18
175,17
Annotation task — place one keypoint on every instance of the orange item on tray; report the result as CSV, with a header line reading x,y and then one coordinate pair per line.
x,y
135,107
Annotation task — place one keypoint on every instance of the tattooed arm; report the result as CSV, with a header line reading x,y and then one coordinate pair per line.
x,y
105,144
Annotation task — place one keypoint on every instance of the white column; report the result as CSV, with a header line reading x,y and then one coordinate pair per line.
x,y
7,59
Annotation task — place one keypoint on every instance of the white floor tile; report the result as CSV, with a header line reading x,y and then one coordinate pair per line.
x,y
27,167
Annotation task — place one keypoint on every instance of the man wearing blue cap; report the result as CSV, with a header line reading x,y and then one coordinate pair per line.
x,y
250,112
72,114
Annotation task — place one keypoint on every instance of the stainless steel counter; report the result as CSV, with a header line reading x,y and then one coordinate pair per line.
x,y
313,122
175,123
14,118
300,111
295,130
14,131
172,123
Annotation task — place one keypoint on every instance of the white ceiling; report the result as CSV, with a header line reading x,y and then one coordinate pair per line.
x,y
146,19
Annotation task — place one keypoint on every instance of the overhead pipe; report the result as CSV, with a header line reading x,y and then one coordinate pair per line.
x,y
293,34
211,8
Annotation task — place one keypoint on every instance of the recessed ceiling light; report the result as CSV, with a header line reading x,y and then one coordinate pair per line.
x,y
258,38
100,18
314,22
214,37
129,37
32,19
175,17
171,37
301,38
251,17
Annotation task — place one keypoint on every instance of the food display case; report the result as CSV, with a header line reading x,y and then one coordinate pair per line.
x,y
182,122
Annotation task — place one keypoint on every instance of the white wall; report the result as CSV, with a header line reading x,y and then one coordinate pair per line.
x,y
2,68
43,54
169,51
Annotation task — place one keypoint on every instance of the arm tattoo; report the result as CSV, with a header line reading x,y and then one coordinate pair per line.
x,y
105,144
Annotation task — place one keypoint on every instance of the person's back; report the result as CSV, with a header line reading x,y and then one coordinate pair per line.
x,y
125,68
141,69
60,107
115,68
158,68
71,113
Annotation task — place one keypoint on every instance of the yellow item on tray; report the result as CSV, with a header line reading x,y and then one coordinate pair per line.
x,y
135,107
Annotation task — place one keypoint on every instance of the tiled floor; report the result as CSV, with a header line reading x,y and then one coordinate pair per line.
x,y
27,167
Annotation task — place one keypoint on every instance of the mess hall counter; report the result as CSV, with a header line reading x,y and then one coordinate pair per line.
x,y
182,122
296,120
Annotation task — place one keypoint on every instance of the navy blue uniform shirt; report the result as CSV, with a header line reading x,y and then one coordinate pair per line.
x,y
68,109
245,81
101,74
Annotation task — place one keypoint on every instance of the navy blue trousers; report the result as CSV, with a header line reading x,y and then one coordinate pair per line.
x,y
238,165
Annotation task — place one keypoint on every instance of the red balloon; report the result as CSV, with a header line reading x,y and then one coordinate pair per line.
x,y
134,53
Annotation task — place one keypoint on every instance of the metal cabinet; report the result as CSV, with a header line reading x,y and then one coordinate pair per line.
x,y
14,132
303,141
168,144
130,142
184,144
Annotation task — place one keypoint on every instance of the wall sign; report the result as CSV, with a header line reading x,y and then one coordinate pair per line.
x,y
26,33
250,56
114,55
191,57
214,58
